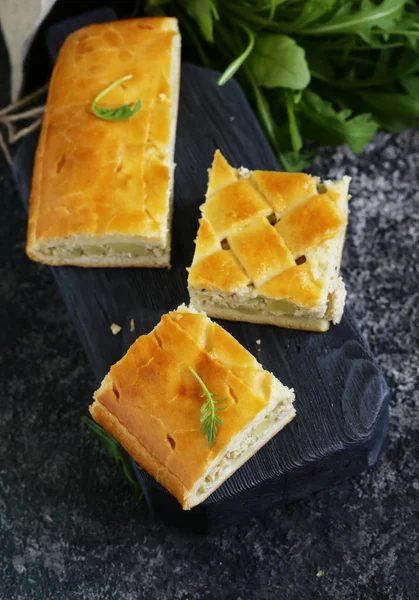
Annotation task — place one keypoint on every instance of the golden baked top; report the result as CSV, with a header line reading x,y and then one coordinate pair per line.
x,y
95,56
154,397
97,177
277,234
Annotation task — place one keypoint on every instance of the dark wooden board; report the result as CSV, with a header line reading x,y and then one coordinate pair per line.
x,y
342,397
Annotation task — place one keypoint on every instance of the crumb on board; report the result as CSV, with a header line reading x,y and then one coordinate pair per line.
x,y
232,118
244,172
258,342
115,328
320,573
132,325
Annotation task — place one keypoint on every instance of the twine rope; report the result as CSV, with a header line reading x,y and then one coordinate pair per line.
x,y
8,120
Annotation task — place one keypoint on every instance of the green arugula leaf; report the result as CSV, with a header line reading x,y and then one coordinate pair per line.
x,y
203,12
290,160
272,5
394,111
278,61
362,73
320,64
408,28
156,3
118,113
209,417
360,19
117,453
295,136
295,162
307,12
265,117
411,85
234,66
324,124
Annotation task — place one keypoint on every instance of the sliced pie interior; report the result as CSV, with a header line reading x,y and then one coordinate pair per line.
x,y
269,248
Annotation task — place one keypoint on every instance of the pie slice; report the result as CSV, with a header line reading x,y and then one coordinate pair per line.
x,y
269,248
150,401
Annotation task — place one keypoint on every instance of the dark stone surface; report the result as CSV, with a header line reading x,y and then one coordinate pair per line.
x,y
68,526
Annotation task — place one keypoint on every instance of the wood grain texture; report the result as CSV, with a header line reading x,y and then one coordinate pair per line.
x,y
342,397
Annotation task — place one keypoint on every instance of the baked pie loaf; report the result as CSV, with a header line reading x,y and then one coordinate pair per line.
x,y
102,190
269,248
151,403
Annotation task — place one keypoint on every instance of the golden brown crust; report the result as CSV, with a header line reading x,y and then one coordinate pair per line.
x,y
271,236
134,447
284,190
105,178
261,251
95,56
218,270
95,177
292,284
310,224
150,401
233,206
221,174
37,178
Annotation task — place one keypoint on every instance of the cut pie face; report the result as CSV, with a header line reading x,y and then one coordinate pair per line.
x,y
269,248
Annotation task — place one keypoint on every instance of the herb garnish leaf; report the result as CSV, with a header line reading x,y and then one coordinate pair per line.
x,y
118,113
209,417
117,452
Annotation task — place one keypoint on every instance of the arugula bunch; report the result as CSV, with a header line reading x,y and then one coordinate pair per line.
x,y
330,71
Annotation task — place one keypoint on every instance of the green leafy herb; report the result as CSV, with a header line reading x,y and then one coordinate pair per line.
x,y
356,63
278,61
117,452
202,11
118,113
405,107
366,16
331,127
209,418
234,66
411,85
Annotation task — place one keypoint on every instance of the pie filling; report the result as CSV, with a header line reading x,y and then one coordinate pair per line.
x,y
114,249
235,458
248,306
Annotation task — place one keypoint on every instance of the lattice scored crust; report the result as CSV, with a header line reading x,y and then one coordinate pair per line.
x,y
269,248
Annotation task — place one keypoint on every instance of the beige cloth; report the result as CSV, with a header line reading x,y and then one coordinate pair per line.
x,y
19,21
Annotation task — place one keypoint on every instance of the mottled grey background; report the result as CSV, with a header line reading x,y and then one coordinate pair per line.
x,y
68,526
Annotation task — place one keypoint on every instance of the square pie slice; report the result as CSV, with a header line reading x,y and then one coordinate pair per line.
x,y
269,248
150,401
102,190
